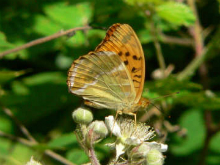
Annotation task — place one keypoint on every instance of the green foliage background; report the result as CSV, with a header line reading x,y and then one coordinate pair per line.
x,y
33,81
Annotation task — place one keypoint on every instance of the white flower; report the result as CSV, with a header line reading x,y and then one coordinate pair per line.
x,y
128,133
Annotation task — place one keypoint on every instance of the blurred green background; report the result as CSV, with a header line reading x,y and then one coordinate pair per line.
x,y
33,81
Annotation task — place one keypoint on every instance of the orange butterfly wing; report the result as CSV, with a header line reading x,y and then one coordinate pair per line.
x,y
121,39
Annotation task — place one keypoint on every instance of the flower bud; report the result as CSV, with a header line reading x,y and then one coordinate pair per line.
x,y
139,151
99,127
82,115
96,132
154,157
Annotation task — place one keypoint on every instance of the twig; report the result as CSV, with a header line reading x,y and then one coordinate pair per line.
x,y
58,157
42,40
18,139
18,123
176,40
31,142
193,65
157,44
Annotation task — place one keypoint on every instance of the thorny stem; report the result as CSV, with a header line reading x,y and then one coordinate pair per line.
x,y
22,128
45,39
86,142
91,152
200,51
92,156
211,129
31,141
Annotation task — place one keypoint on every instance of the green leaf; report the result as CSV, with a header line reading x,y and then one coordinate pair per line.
x,y
70,15
19,155
77,156
63,141
198,100
171,85
215,145
6,125
45,26
213,159
9,75
214,150
4,44
176,13
40,95
143,2
192,120
4,147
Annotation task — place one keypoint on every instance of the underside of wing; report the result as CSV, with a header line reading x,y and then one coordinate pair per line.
x,y
121,39
101,78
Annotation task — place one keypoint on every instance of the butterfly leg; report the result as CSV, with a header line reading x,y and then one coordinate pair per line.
x,y
116,116
135,117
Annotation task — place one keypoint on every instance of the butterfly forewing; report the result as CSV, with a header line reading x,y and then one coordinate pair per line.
x,y
103,79
121,39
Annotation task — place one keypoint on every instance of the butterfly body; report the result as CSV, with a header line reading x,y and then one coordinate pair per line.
x,y
112,76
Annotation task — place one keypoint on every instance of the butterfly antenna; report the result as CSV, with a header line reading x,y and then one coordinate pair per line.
x,y
164,96
156,107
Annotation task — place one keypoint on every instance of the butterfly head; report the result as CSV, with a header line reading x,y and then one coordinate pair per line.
x,y
143,102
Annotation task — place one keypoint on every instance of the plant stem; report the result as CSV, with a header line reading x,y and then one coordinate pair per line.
x,y
211,129
176,40
92,156
45,39
157,45
193,65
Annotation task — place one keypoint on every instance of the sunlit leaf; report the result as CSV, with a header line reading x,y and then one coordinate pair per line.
x,y
70,15
77,156
176,13
63,141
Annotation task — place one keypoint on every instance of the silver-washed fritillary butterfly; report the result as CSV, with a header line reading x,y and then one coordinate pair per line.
x,y
113,75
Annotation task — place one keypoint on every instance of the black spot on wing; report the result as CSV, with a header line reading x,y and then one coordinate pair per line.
x,y
120,53
133,70
136,81
126,62
138,76
127,54
136,57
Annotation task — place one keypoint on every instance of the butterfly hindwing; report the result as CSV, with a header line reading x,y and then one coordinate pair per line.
x,y
121,39
101,78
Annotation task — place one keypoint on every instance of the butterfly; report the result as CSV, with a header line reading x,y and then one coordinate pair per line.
x,y
112,76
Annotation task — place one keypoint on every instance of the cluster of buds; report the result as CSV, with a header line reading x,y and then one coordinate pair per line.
x,y
132,139
90,132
